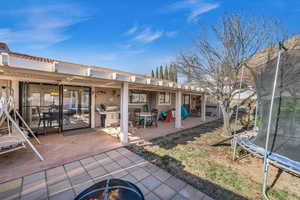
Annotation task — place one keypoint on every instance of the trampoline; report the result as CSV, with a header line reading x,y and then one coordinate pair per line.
x,y
277,139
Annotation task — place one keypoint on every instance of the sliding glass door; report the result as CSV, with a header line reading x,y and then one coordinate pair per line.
x,y
40,106
53,108
76,107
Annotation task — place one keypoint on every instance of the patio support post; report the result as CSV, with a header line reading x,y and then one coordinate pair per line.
x,y
178,110
203,107
124,113
93,107
15,87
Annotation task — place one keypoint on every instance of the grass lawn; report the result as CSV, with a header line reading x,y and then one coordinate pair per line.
x,y
195,156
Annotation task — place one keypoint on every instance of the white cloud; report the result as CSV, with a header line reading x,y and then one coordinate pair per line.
x,y
194,7
148,35
132,30
42,26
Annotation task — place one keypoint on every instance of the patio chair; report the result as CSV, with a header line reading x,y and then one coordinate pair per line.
x,y
43,118
168,117
154,118
137,118
146,108
53,116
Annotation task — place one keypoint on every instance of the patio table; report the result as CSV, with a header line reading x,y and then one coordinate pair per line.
x,y
146,116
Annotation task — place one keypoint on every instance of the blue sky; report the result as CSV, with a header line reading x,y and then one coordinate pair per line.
x,y
132,35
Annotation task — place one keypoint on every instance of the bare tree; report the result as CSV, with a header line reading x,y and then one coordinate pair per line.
x,y
215,62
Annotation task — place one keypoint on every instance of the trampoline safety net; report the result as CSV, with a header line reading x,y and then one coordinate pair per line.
x,y
285,126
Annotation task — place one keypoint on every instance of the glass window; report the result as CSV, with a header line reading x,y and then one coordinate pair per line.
x,y
164,98
137,98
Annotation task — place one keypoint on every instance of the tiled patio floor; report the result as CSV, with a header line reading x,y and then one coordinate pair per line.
x,y
165,128
67,181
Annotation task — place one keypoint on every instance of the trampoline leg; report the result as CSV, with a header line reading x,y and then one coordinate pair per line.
x,y
265,181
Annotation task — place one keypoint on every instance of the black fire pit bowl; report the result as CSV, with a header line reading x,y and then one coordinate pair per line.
x,y
111,189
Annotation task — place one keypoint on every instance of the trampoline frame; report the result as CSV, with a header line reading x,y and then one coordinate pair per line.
x,y
258,154
268,157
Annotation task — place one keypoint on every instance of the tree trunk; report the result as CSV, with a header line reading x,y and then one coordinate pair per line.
x,y
226,121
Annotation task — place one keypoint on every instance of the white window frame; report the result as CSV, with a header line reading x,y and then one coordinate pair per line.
x,y
164,104
138,103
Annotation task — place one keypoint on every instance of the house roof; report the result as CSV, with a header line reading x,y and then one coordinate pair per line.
x,y
50,60
64,67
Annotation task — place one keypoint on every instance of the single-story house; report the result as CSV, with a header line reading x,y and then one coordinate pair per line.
x,y
78,95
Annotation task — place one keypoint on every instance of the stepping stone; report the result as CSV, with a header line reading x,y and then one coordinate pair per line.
x,y
115,155
175,183
112,167
140,174
124,162
190,192
66,195
151,182
119,174
40,194
90,163
151,196
34,184
87,161
72,165
162,175
165,192
59,187
81,187
105,161
101,156
10,190
27,180
130,178
99,171
143,188
56,175
179,197
150,167
55,171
